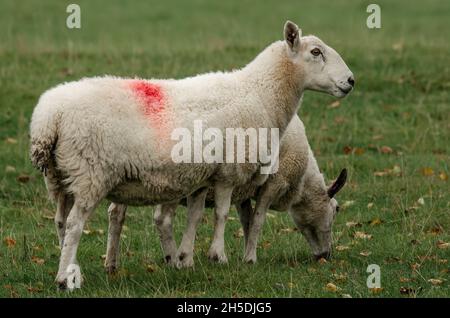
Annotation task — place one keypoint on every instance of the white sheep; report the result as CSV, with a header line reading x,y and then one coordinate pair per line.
x,y
297,187
109,137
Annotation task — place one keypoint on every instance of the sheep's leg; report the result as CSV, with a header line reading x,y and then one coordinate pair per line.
x,y
74,228
195,205
116,213
256,223
63,206
163,219
222,198
245,211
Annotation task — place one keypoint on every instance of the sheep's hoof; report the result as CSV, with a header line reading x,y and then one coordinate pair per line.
x,y
111,269
184,260
217,257
250,259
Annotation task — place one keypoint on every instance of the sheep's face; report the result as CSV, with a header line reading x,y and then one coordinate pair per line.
x,y
314,216
322,67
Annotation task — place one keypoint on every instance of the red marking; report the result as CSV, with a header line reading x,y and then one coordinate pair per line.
x,y
151,95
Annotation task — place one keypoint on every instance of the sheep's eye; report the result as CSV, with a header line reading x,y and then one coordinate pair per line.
x,y
316,52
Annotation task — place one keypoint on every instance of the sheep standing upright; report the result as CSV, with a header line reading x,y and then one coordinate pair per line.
x,y
109,137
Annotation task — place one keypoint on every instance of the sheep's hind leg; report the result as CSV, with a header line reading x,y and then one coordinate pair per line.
x,y
163,220
116,214
222,198
195,205
63,206
245,211
256,224
67,263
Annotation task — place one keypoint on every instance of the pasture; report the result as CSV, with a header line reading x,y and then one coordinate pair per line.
x,y
392,133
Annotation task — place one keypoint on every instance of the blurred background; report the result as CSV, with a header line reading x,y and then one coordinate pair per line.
x,y
392,133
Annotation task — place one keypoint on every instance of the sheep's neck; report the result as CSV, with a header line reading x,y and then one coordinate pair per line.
x,y
278,82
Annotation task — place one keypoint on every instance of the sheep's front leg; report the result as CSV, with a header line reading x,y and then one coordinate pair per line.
x,y
116,213
195,206
245,211
74,228
256,224
163,219
222,198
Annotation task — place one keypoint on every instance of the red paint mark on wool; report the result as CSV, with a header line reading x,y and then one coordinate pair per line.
x,y
151,95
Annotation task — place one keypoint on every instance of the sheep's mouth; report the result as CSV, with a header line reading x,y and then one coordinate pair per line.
x,y
346,90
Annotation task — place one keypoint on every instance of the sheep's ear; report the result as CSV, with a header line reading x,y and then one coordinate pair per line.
x,y
338,184
292,35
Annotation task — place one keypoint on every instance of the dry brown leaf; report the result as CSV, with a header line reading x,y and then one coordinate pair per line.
x,y
442,245
386,149
443,176
23,178
288,230
362,235
376,290
37,260
347,204
427,171
375,221
331,287
370,205
322,261
352,224
365,253
435,281
342,248
151,268
10,242
239,233
9,169
11,141
266,244
335,104
404,280
407,290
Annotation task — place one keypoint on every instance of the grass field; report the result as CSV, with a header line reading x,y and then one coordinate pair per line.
x,y
392,133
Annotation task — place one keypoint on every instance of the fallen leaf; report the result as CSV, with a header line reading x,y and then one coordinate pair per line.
x,y
421,201
443,176
335,104
10,242
342,248
346,296
37,260
11,141
347,150
239,233
358,151
23,178
377,137
266,244
365,253
404,280
375,221
347,204
231,218
288,230
151,268
291,285
340,277
407,290
322,261
352,224
370,205
427,171
386,149
87,232
9,169
376,290
435,281
442,245
331,287
362,235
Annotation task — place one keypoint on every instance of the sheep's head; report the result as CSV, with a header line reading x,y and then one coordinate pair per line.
x,y
314,215
322,67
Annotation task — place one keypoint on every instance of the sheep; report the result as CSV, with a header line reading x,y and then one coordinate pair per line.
x,y
298,187
110,137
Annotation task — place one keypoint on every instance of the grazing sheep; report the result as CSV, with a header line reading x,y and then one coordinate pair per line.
x,y
298,187
110,137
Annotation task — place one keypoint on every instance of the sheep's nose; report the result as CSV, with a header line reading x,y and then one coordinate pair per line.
x,y
351,81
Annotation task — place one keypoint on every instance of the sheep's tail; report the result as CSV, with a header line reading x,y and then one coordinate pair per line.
x,y
43,135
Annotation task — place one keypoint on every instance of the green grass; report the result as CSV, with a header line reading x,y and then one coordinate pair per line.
x,y
401,100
